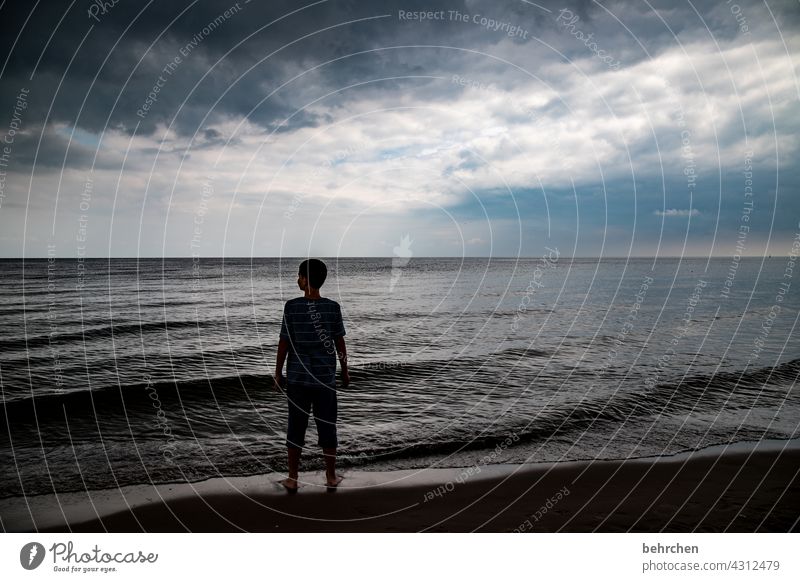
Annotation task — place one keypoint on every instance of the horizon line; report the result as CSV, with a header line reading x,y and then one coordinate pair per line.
x,y
287,257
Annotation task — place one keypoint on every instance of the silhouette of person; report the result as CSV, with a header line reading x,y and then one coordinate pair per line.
x,y
312,336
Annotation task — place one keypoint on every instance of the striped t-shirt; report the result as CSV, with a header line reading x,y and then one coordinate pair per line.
x,y
311,326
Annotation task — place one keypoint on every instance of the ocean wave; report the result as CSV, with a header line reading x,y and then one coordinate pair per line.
x,y
102,332
699,393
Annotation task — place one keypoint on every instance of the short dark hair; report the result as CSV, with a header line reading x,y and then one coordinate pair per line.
x,y
315,271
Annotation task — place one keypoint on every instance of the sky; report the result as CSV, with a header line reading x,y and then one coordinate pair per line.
x,y
355,128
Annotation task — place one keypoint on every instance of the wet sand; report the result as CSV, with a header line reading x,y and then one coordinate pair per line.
x,y
742,488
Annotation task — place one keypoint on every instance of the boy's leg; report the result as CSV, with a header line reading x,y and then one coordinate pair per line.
x,y
325,413
294,464
331,478
299,410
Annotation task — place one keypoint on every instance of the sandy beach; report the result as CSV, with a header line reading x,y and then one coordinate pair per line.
x,y
739,488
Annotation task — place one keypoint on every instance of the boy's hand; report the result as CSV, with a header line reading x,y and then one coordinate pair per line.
x,y
345,378
279,382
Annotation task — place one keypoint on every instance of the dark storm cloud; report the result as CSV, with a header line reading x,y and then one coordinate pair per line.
x,y
98,75
124,33
103,76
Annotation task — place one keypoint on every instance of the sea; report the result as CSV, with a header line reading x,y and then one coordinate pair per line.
x,y
126,371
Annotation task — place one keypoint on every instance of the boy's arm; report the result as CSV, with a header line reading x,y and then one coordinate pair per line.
x,y
341,352
283,348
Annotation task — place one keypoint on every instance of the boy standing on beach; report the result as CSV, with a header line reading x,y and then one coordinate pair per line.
x,y
312,334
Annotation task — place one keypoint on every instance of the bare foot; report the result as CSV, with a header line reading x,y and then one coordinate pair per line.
x,y
290,485
333,483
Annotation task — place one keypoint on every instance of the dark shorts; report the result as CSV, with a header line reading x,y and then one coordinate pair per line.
x,y
305,399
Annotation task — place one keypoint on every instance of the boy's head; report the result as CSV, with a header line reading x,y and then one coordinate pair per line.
x,y
314,272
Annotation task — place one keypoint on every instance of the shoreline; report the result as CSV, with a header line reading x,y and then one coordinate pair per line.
x,y
744,487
